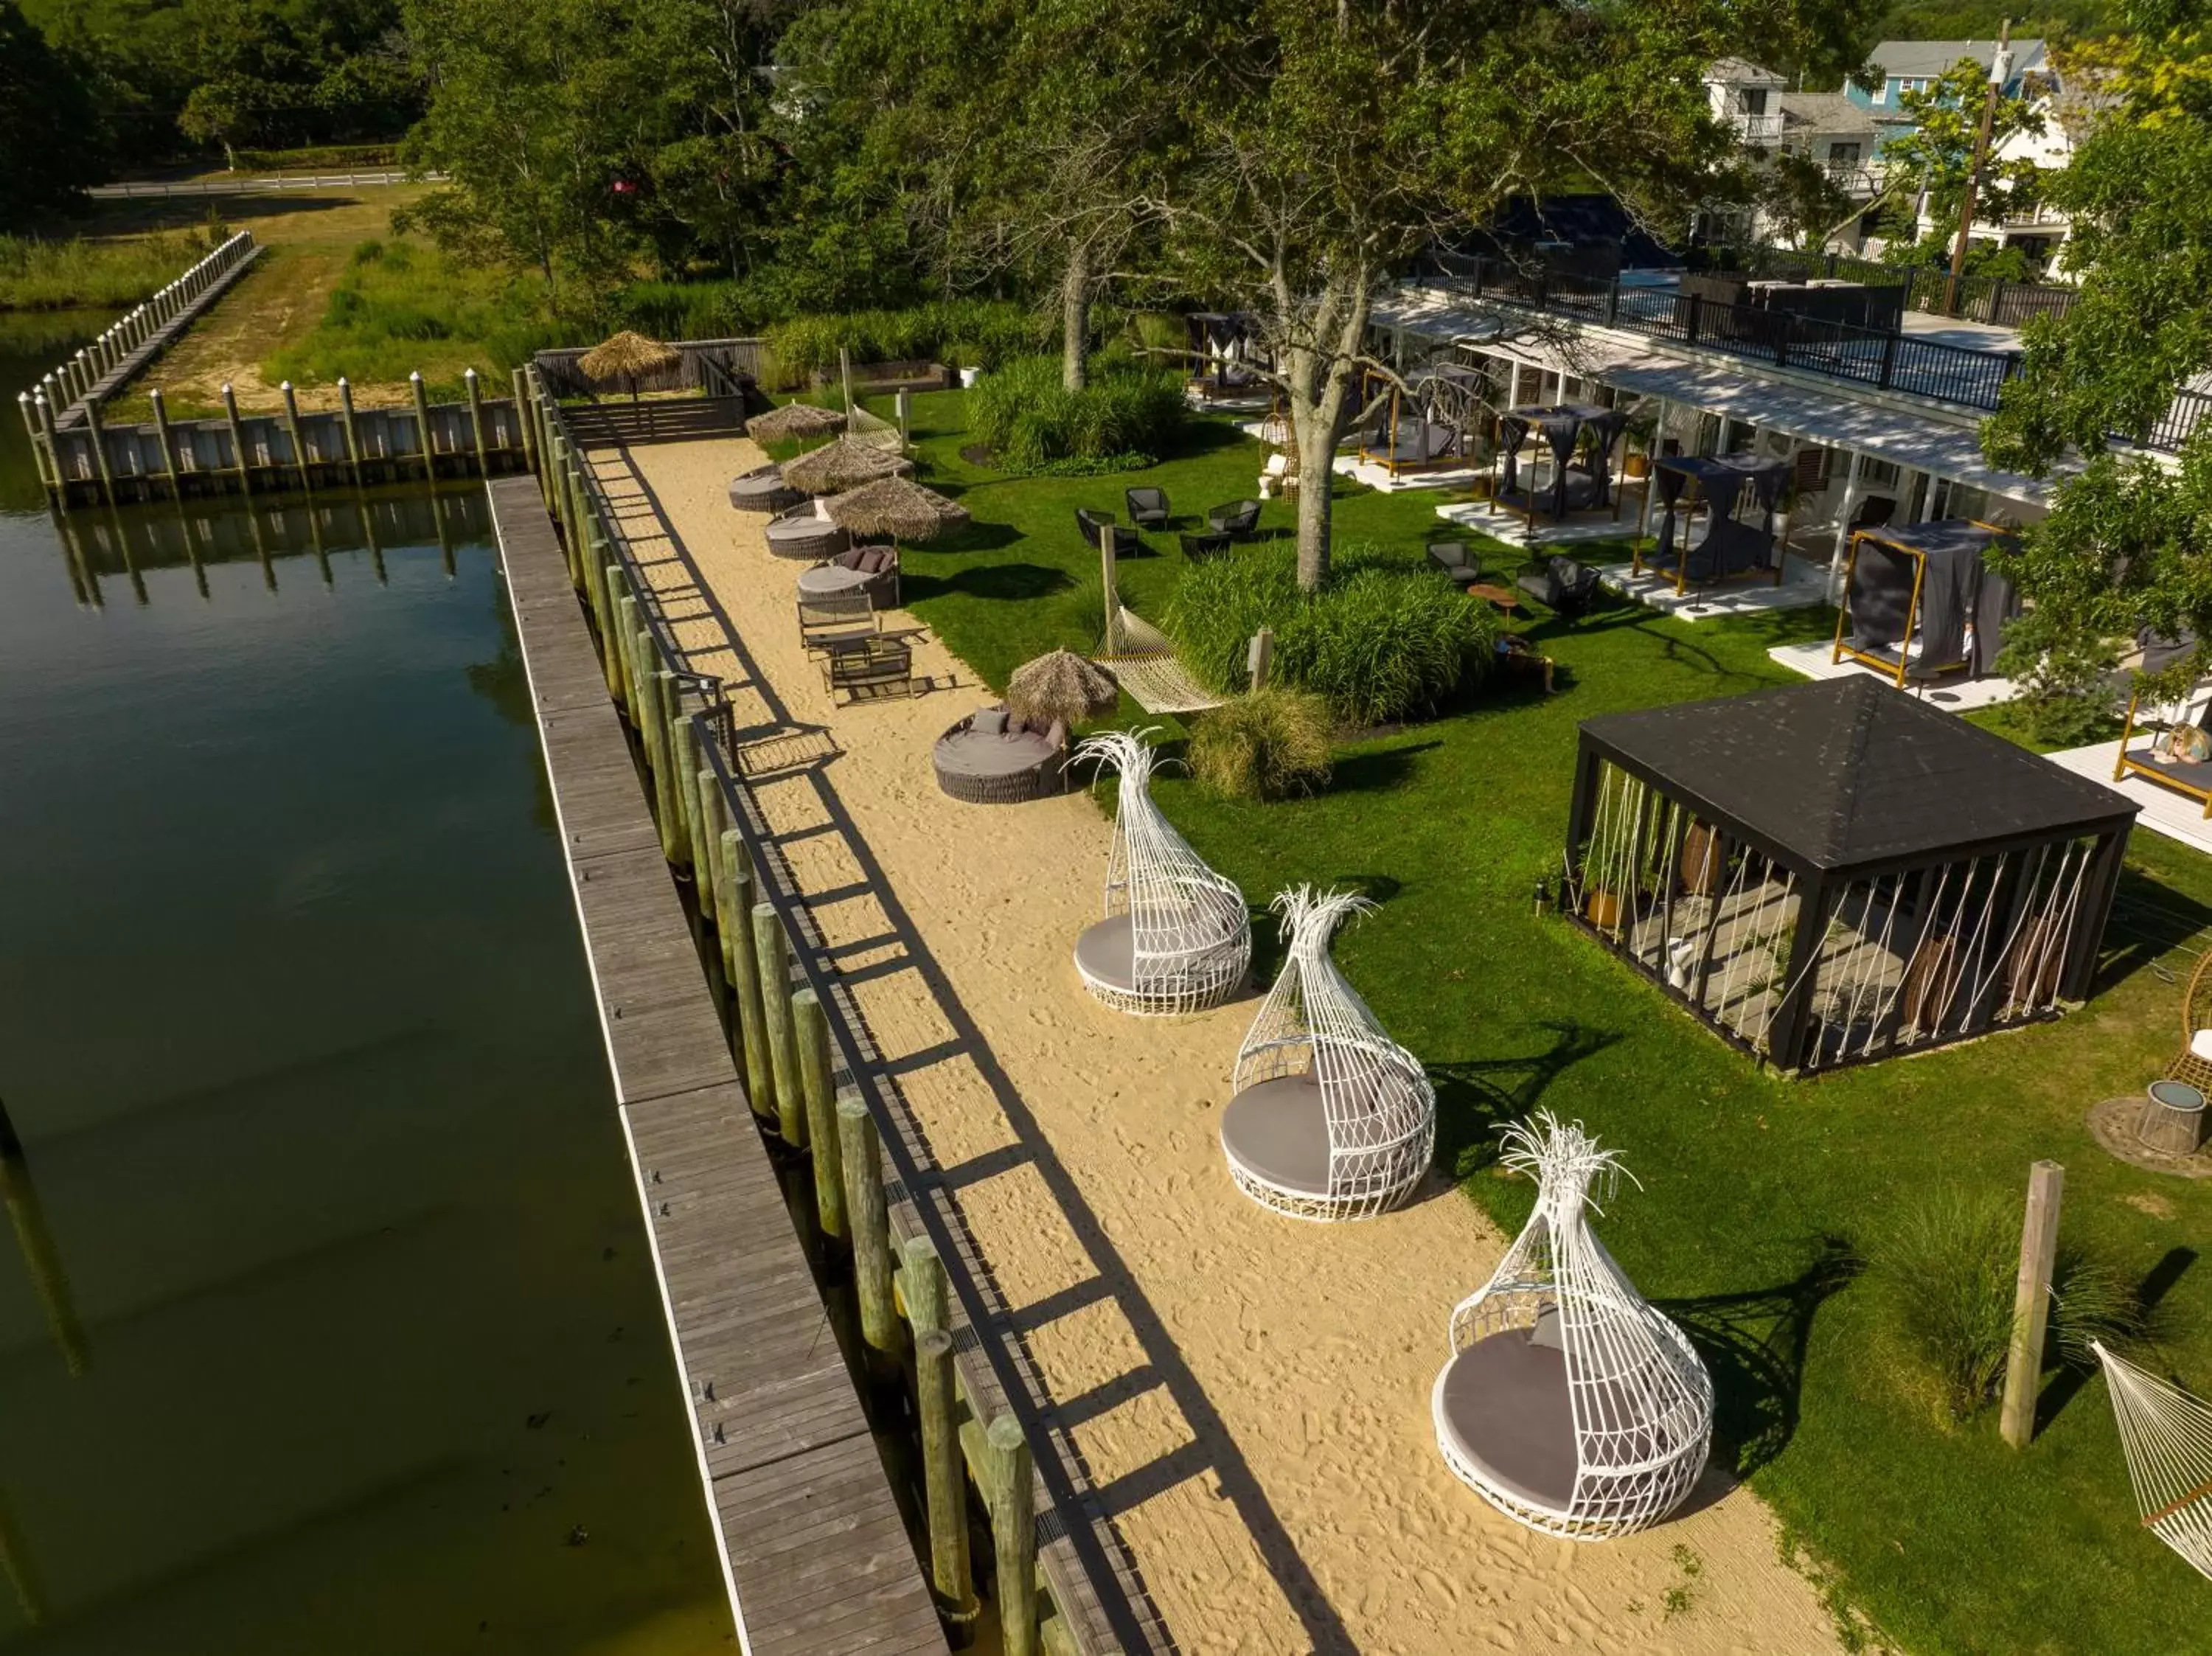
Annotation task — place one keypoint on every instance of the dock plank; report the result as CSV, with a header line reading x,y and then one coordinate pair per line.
x,y
815,1555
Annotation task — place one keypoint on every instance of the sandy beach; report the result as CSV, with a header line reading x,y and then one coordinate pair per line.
x,y
1250,1392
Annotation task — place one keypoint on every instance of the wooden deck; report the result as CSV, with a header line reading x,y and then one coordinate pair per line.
x,y
817,1556
135,363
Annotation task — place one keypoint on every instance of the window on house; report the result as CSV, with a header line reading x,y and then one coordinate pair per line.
x,y
1754,99
1843,155
1880,93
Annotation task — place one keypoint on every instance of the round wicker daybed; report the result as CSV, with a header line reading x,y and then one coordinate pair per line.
x,y
762,489
870,569
1329,1118
1001,766
802,532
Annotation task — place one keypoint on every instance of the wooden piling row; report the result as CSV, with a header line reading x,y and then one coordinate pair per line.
x,y
780,1037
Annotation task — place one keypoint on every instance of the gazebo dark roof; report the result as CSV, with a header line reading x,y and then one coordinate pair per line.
x,y
1849,773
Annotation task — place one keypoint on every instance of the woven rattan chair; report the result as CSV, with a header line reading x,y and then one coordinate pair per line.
x,y
990,758
870,569
1148,507
802,532
1568,1402
1176,937
1237,519
2195,1015
1330,1118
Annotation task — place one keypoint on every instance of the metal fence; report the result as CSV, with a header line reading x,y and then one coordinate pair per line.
x,y
252,183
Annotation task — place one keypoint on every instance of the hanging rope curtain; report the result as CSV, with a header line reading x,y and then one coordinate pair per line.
x,y
1178,936
2166,1437
1568,1402
1330,1117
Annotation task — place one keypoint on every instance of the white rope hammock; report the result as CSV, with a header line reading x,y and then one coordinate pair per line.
x,y
2166,1435
1144,662
1330,1117
1570,1404
1178,936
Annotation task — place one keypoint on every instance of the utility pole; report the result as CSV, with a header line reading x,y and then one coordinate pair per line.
x,y
1999,72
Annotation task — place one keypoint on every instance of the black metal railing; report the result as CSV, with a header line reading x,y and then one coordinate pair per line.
x,y
1993,300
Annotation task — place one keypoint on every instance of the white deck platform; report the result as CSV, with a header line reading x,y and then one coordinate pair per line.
x,y
2176,815
1512,528
1953,693
1377,475
1803,585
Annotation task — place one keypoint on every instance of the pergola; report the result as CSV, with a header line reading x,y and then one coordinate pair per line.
x,y
1834,872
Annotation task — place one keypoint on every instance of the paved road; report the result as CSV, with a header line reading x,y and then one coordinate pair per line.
x,y
253,183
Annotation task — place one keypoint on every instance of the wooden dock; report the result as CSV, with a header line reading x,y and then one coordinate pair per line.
x,y
815,1553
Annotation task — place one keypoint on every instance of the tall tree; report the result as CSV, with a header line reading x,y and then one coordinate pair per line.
x,y
46,110
2127,548
1331,142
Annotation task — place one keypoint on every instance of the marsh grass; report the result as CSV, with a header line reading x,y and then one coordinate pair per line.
x,y
37,275
1272,743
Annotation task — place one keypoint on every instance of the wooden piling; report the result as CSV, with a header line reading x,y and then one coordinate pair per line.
x,y
945,1483
817,1091
683,784
2031,1314
524,423
870,1218
771,949
675,829
237,440
168,441
706,843
476,421
299,440
423,423
1013,1535
742,966
99,435
352,429
31,425
616,657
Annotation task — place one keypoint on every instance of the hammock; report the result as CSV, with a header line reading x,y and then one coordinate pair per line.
x,y
1143,662
2166,1435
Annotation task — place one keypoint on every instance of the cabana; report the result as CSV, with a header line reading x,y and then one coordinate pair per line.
x,y
1329,1118
1427,427
1720,546
1566,429
1176,937
1226,351
2172,757
1570,1403
1835,872
1920,601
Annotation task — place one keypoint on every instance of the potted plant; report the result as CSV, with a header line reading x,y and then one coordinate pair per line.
x,y
1784,505
1642,430
1608,880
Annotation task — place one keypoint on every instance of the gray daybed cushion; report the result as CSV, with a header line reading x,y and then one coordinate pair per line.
x,y
1278,1129
825,578
1503,1404
1107,952
973,752
991,721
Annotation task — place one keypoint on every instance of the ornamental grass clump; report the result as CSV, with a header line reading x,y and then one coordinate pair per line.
x,y
1028,420
1384,637
1946,1274
1270,744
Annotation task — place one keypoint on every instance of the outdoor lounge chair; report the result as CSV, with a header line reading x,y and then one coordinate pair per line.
x,y
827,618
1568,1402
1090,523
1454,558
992,758
762,489
1562,585
872,668
804,532
1329,1118
1237,519
1148,507
1199,548
870,569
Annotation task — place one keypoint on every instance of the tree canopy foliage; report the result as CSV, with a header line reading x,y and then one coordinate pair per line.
x,y
42,92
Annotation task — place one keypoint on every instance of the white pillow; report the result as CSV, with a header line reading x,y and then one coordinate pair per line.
x,y
2200,1044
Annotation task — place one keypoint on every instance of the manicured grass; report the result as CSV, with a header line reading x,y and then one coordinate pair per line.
x,y
1753,1186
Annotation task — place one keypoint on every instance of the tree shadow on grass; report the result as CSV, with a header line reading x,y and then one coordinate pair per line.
x,y
1753,1345
976,537
1475,1097
1378,771
1016,581
2151,1293
2149,920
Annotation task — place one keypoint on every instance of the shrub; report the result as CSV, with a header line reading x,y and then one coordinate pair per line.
x,y
1382,638
962,332
1269,744
37,275
1946,1274
681,310
1029,421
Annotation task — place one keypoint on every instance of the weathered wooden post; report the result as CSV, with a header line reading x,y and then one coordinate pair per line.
x,y
47,410
945,1484
1259,656
98,434
817,1089
695,841
627,628
38,440
523,421
352,429
712,820
1013,1535
476,421
772,949
237,440
610,636
668,792
742,967
298,438
870,1217
423,423
168,441
2031,1309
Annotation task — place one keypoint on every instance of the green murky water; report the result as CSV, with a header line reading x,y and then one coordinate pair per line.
x,y
326,1323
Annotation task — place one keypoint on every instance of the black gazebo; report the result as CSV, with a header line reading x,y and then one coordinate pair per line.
x,y
1834,872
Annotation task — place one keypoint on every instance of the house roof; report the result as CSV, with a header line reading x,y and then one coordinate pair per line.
x,y
1824,112
1917,58
1743,70
1849,773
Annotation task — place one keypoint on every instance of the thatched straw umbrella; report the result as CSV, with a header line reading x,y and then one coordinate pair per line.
x,y
1062,686
793,419
626,356
896,507
843,464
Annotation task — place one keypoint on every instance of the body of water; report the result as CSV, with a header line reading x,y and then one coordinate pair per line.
x,y
327,1324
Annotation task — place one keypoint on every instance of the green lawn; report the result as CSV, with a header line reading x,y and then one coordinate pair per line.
x,y
1753,1186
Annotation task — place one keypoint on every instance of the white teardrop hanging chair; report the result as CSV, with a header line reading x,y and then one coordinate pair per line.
x,y
1330,1117
1176,937
1568,1402
2166,1435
